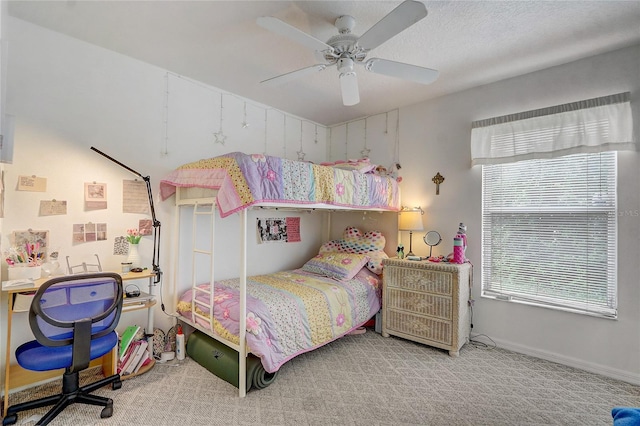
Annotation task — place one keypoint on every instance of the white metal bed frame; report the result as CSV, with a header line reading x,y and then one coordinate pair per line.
x,y
203,202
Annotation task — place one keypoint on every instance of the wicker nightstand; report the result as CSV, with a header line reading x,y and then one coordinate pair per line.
x,y
427,302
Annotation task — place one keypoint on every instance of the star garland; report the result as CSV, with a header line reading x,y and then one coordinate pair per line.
x,y
365,152
300,153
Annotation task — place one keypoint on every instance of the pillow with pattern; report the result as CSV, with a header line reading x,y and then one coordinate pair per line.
x,y
354,241
339,266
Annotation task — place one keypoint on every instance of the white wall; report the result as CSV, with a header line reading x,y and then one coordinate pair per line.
x,y
68,96
435,137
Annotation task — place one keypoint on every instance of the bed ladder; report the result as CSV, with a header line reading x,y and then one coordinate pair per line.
x,y
202,210
241,348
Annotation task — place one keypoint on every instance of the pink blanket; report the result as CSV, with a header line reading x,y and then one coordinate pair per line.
x,y
290,312
243,180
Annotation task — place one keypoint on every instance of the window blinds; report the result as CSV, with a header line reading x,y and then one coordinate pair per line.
x,y
549,218
549,232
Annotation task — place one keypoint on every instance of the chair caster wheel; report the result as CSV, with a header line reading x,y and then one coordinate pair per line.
x,y
107,411
116,385
10,419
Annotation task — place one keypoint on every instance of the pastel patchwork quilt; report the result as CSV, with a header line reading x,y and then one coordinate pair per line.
x,y
243,180
289,312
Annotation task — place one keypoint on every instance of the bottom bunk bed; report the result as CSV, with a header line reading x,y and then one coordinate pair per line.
x,y
287,313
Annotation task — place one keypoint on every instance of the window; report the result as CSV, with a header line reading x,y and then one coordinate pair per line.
x,y
549,223
549,232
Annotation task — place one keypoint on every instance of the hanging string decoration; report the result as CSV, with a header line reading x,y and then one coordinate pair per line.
x,y
346,142
220,137
365,152
300,153
265,132
245,124
386,123
284,135
396,164
165,118
331,142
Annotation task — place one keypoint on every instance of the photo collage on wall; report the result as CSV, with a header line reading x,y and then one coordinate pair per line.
x,y
272,230
89,232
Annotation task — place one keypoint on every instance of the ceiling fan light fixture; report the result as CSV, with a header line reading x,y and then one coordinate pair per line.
x,y
345,65
349,88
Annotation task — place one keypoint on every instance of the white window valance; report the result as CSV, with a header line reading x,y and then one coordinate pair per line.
x,y
594,125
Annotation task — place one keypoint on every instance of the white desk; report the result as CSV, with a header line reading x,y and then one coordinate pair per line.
x,y
16,376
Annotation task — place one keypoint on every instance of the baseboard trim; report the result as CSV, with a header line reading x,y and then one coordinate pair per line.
x,y
613,373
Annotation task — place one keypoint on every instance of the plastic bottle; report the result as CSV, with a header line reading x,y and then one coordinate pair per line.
x,y
179,343
458,250
462,233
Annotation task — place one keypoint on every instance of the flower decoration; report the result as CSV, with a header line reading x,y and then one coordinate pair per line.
x,y
271,175
373,282
133,236
253,323
221,297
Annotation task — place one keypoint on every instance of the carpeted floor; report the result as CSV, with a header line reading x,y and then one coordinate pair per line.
x,y
365,380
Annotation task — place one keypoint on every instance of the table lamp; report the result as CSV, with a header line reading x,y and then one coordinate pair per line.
x,y
410,219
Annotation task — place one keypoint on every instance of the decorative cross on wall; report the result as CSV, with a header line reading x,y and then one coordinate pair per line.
x,y
438,179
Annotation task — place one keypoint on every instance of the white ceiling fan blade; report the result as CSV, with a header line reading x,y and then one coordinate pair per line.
x,y
349,88
402,17
280,27
400,70
292,75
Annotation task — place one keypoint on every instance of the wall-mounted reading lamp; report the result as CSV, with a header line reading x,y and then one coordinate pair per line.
x,y
155,262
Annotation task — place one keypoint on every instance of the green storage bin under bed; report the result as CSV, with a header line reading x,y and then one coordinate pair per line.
x,y
223,361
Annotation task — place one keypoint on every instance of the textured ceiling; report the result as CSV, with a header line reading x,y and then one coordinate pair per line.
x,y
219,43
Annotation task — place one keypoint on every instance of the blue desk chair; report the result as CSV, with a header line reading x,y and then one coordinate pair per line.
x,y
73,319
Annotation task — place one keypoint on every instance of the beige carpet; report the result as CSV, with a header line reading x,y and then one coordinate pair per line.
x,y
366,380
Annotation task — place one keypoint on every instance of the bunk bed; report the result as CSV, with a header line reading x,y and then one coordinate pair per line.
x,y
344,270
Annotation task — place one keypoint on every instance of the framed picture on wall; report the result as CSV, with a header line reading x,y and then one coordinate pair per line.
x,y
95,195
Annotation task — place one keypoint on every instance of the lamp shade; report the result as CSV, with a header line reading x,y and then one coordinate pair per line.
x,y
410,220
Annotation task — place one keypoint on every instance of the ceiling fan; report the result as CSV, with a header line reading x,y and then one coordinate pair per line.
x,y
346,50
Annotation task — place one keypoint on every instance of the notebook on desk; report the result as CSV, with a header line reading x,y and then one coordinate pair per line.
x,y
20,284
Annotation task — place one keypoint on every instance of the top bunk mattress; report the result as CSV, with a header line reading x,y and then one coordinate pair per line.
x,y
243,180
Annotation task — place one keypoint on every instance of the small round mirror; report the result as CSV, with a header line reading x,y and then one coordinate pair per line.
x,y
432,238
